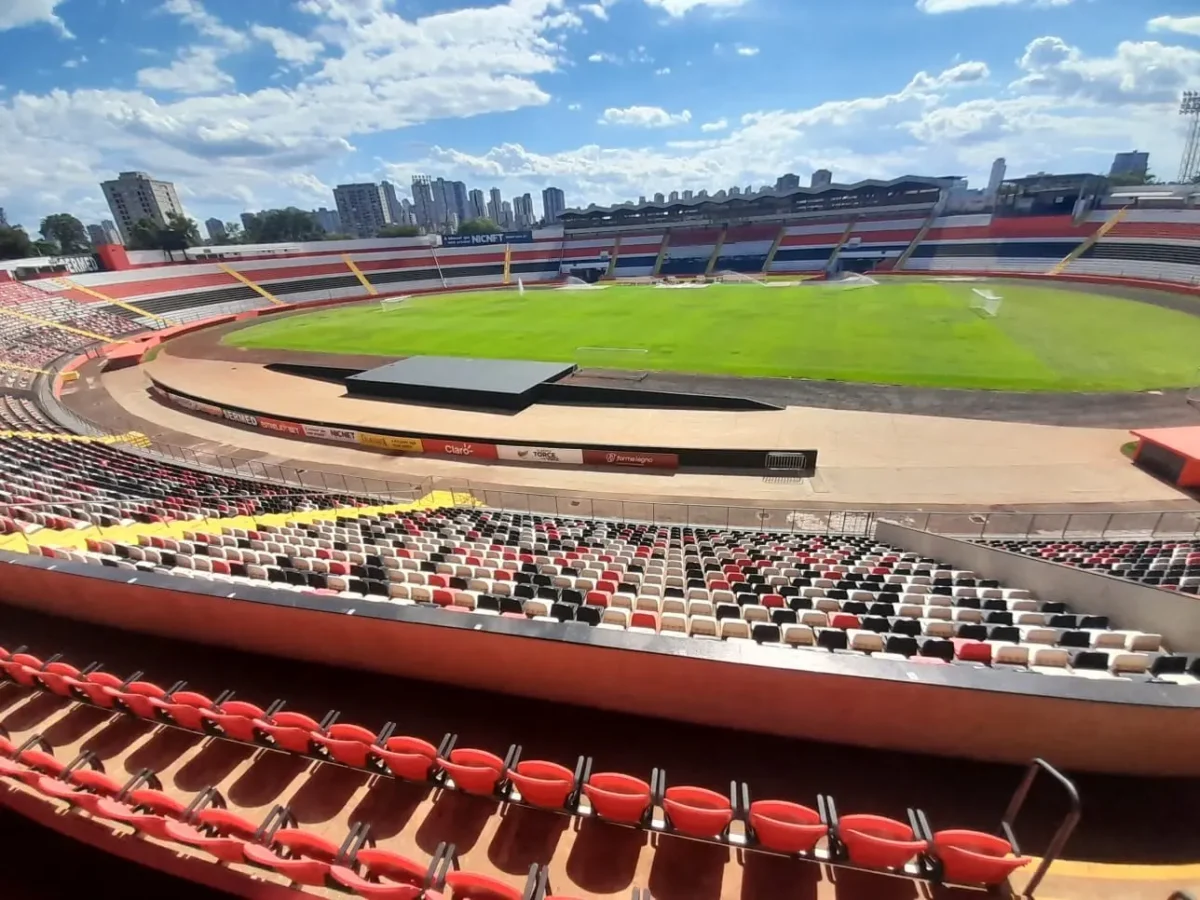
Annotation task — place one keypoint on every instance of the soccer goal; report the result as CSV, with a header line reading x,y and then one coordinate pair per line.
x,y
388,303
986,302
618,363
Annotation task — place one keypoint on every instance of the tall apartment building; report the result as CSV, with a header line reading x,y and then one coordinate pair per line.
x,y
3,218
215,228
422,191
788,182
328,220
523,216
96,236
456,197
133,196
1135,162
999,170
393,202
673,196
506,215
476,205
362,208
495,208
821,178
553,204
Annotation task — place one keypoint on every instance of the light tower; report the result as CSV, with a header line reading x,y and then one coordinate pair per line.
x,y
1189,169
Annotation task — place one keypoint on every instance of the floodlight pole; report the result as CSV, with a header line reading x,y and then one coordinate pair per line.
x,y
1189,168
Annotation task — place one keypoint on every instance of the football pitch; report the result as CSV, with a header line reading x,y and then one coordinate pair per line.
x,y
919,334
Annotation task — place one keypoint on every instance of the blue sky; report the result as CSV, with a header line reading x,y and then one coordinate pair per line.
x,y
247,104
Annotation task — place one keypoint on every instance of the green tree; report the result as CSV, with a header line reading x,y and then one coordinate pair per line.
x,y
398,231
272,226
144,235
179,233
15,243
479,226
66,231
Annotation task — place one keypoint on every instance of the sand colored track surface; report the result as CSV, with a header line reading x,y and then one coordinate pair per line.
x,y
867,460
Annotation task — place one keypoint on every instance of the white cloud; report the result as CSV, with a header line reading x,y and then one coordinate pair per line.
x,y
644,117
743,50
194,14
19,13
289,47
600,9
949,6
574,107
1178,24
194,72
718,125
665,70
605,57
679,8
1139,71
75,63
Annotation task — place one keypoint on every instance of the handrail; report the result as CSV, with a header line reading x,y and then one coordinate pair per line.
x,y
1061,835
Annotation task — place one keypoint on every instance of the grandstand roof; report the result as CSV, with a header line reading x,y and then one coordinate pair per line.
x,y
767,198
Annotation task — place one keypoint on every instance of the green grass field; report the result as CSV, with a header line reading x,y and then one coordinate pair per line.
x,y
920,334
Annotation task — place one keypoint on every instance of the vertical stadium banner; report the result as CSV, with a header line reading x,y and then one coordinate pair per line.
x,y
548,455
479,240
634,458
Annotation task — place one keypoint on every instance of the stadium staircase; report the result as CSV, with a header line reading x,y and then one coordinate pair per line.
x,y
766,269
257,288
837,249
612,260
1113,221
358,273
902,261
508,264
716,253
662,254
438,265
69,285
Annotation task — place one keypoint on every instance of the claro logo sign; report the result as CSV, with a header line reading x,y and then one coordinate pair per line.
x,y
461,449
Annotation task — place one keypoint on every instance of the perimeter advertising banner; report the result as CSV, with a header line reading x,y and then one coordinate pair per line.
x,y
321,433
280,426
387,442
461,449
634,458
480,240
548,455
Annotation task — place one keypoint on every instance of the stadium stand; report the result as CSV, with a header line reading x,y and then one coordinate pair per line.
x,y
805,592
28,315
689,251
1173,565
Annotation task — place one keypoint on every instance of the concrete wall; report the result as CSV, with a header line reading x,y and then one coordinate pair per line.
x,y
1127,604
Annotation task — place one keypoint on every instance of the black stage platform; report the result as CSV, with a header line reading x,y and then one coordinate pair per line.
x,y
454,381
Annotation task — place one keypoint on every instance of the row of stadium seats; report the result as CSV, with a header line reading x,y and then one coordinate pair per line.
x,y
1173,565
208,821
65,485
845,595
18,413
26,342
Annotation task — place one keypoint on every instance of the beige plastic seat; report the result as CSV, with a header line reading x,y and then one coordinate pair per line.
x,y
735,629
703,627
866,641
754,613
798,635
1010,654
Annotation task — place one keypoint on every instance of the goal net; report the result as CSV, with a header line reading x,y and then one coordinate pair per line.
x,y
388,303
985,302
621,363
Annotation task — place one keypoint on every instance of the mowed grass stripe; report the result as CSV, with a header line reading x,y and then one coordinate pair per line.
x,y
918,334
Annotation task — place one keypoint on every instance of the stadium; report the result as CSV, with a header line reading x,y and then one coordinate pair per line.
x,y
395,568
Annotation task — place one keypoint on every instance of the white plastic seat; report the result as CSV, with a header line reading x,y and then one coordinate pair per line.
x,y
672,623
1010,654
615,616
736,629
755,613
702,627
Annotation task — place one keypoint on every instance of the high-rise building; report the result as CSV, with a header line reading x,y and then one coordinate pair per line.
x,y
642,200
422,191
96,236
111,232
135,195
461,204
734,191
495,207
659,197
554,201
687,195
999,170
821,178
506,215
215,227
247,220
673,196
476,205
788,182
362,208
408,212
393,202
702,194
1135,163
523,215
3,218
328,220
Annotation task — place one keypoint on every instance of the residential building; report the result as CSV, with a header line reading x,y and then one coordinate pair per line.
x,y
247,220
476,205
134,196
673,196
422,191
328,220
97,236
660,197
788,182
702,194
506,215
214,226
461,204
495,206
1135,163
111,233
687,195
393,201
362,208
523,214
3,218
642,200
734,191
553,204
821,178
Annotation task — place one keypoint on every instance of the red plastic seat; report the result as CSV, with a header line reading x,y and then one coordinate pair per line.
x,y
697,811
184,708
618,797
348,744
406,757
147,810
290,731
473,771
844,620
56,678
972,857
396,877
84,788
216,831
21,667
543,783
305,858
234,718
786,827
878,842
973,651
136,697
469,886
